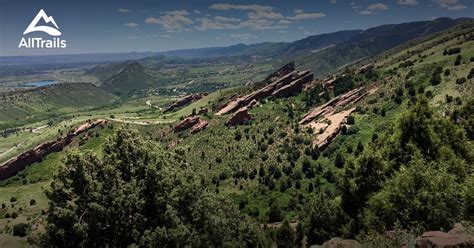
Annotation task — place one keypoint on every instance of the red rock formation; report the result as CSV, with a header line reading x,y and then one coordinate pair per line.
x,y
281,72
187,123
201,125
295,86
184,101
19,163
241,116
442,239
365,68
352,96
286,85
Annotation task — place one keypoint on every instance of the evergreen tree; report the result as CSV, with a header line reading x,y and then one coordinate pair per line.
x,y
285,235
137,194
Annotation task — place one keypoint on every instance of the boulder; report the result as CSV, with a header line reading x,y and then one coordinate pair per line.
x,y
282,71
201,125
341,243
441,239
294,87
187,123
241,116
184,101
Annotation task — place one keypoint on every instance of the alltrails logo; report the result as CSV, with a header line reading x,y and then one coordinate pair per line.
x,y
38,42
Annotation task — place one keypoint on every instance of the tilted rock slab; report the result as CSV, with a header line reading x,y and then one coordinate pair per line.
x,y
37,154
187,123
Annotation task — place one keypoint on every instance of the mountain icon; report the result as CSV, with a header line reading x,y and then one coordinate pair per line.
x,y
47,19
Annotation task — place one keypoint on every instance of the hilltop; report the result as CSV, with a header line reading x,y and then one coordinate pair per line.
x,y
48,102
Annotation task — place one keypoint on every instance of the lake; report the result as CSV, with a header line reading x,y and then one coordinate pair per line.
x,y
41,83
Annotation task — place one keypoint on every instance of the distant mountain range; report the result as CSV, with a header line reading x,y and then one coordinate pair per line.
x,y
357,42
321,54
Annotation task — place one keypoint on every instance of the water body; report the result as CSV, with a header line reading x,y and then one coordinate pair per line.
x,y
41,83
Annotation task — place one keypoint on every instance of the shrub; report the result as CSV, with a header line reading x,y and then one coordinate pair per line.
x,y
350,120
32,202
275,214
339,161
285,235
435,79
455,50
447,72
449,98
13,199
460,80
14,215
458,60
471,74
20,229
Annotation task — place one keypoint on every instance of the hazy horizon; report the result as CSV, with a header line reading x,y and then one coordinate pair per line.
x,y
125,27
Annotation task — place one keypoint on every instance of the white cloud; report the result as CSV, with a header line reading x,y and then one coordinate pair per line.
x,y
197,11
255,11
407,2
243,36
377,6
124,10
228,6
260,24
264,15
366,12
284,22
214,24
298,11
306,16
371,8
172,20
332,1
131,24
226,19
450,4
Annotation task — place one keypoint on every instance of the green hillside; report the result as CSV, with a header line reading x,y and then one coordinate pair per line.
x,y
28,106
134,77
401,162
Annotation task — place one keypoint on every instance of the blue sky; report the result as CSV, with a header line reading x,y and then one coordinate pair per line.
x,y
146,25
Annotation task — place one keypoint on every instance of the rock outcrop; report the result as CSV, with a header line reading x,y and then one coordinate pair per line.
x,y
184,101
365,68
281,72
187,123
241,116
328,119
350,97
295,86
341,243
456,237
19,163
284,82
201,125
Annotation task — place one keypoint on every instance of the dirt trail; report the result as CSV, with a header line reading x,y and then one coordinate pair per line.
x,y
38,129
11,149
148,102
143,123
